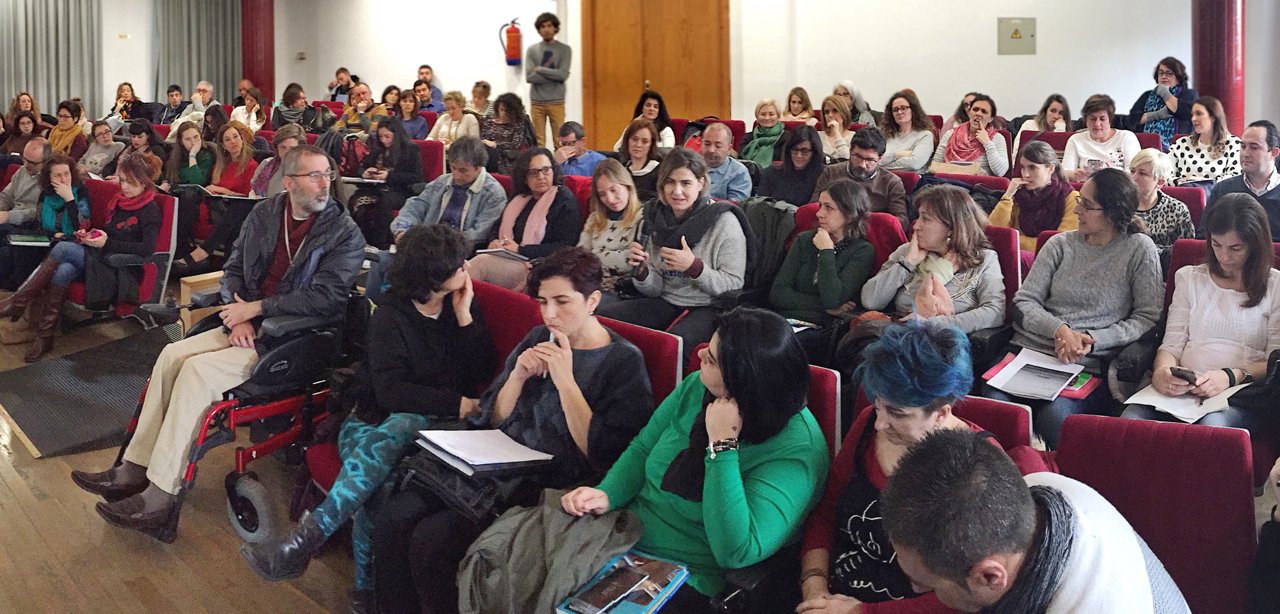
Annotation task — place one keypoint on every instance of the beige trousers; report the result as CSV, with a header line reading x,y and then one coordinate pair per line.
x,y
499,271
189,376
553,112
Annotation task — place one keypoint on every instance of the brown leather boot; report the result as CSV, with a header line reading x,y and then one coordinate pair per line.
x,y
15,305
47,324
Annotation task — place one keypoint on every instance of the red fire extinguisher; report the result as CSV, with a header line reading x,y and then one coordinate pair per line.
x,y
511,43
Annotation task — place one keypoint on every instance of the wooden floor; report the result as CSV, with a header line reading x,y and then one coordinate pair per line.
x,y
58,556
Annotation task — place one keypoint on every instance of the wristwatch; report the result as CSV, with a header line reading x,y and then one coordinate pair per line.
x,y
722,445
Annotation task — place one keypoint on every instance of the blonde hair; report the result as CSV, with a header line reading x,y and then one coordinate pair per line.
x,y
1161,166
456,97
768,102
840,106
599,219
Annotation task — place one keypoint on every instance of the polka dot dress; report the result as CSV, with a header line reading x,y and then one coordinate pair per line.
x,y
1194,161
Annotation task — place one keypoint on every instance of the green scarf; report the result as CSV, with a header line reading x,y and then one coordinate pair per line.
x,y
53,214
760,149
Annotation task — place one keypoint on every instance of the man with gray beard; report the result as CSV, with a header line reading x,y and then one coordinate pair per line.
x,y
298,254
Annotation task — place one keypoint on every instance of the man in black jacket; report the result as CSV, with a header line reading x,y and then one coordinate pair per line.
x,y
298,254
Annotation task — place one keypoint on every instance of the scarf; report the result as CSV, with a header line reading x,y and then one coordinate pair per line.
x,y
963,146
292,115
688,470
1042,209
262,181
1164,127
535,226
667,230
129,204
1042,570
53,215
61,139
760,148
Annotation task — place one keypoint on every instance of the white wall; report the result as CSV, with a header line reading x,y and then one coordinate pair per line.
x,y
1262,60
943,49
128,59
384,41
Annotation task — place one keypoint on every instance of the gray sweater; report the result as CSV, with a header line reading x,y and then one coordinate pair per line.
x,y
918,142
21,197
1113,292
485,202
978,293
98,157
723,251
546,86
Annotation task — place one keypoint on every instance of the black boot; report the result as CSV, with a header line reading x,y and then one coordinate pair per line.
x,y
288,559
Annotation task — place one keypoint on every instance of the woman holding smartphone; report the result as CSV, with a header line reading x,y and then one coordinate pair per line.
x,y
1225,316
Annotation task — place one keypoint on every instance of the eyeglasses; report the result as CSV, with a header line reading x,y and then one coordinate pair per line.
x,y
1088,205
63,116
1165,73
900,109
31,162
804,151
862,158
569,143
317,176
533,173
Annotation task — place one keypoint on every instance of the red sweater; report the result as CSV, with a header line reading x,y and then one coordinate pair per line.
x,y
821,525
238,182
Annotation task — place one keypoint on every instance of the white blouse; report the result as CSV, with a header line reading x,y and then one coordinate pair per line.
x,y
1116,152
1209,329
238,114
666,138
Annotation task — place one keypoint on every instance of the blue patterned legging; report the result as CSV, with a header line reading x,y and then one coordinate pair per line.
x,y
369,453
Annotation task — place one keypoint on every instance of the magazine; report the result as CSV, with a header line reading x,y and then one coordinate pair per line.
x,y
661,579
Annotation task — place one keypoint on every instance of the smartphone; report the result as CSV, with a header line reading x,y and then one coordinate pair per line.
x,y
1184,374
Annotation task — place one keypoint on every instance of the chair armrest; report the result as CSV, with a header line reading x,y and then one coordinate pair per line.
x,y
1133,362
124,260
985,344
206,298
757,297
280,326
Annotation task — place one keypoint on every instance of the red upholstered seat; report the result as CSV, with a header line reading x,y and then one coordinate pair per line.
x,y
336,107
1010,423
432,159
884,231
581,188
677,127
807,217
311,138
1186,489
663,355
824,399
855,126
995,183
1044,237
508,315
1056,140
1008,150
1193,198
1149,140
909,180
937,122
505,180
431,117
324,463
791,125
8,175
227,108
1004,241
267,135
162,130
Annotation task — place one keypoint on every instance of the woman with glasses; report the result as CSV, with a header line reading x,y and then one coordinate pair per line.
x,y
795,180
1166,108
66,137
542,216
909,134
1091,292
25,127
103,151
508,132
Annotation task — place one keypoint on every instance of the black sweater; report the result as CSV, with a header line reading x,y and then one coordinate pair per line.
x,y
420,365
133,232
795,187
564,225
404,173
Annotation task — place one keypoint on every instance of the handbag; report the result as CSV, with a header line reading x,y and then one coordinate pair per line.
x,y
480,498
1261,395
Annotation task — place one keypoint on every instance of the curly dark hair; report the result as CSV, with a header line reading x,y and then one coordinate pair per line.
x,y
520,170
46,173
1176,67
426,257
513,105
400,143
664,118
576,264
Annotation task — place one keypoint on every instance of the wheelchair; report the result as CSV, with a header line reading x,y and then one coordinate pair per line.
x,y
282,402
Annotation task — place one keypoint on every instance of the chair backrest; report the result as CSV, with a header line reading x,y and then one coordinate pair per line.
x,y
1043,237
1193,198
227,108
1186,489
937,122
1008,151
334,106
663,355
8,175
1010,423
807,217
101,194
581,188
1004,241
909,180
786,125
884,231
155,274
1056,140
431,117
505,180
677,127
267,135
856,126
432,159
162,130
508,315
1149,140
995,183
1190,252
824,399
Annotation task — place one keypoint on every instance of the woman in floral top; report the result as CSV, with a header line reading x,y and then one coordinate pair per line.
x,y
506,131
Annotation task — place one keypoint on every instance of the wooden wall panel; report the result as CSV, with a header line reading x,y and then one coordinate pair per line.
x,y
613,67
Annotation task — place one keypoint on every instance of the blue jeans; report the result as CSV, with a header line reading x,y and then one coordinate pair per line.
x,y
1234,417
1048,416
375,285
369,453
70,257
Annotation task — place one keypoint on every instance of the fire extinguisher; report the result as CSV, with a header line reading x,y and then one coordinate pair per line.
x,y
511,42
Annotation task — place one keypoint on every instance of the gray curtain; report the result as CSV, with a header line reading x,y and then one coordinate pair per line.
x,y
198,40
52,49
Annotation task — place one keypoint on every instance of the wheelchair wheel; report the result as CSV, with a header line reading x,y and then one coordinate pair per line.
x,y
249,508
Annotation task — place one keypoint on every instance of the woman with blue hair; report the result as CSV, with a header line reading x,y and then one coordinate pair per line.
x,y
913,375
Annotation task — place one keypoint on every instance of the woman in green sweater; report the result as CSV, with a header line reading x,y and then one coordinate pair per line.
x,y
730,464
191,164
826,267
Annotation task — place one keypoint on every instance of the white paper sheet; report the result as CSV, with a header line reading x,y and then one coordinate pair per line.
x,y
1034,375
485,447
1185,407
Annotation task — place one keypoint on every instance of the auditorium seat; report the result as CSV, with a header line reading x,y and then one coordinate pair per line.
x,y
855,126
1186,489
162,130
677,128
505,180
791,125
884,231
8,175
995,183
1176,137
1009,153
1004,242
431,117
937,123
736,126
1043,238
432,159
581,188
336,107
1149,140
909,180
1010,423
1193,198
227,108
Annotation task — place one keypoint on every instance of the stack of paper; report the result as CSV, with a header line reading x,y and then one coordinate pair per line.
x,y
1034,375
480,451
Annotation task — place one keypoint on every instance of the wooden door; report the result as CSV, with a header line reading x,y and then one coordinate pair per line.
x,y
680,48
